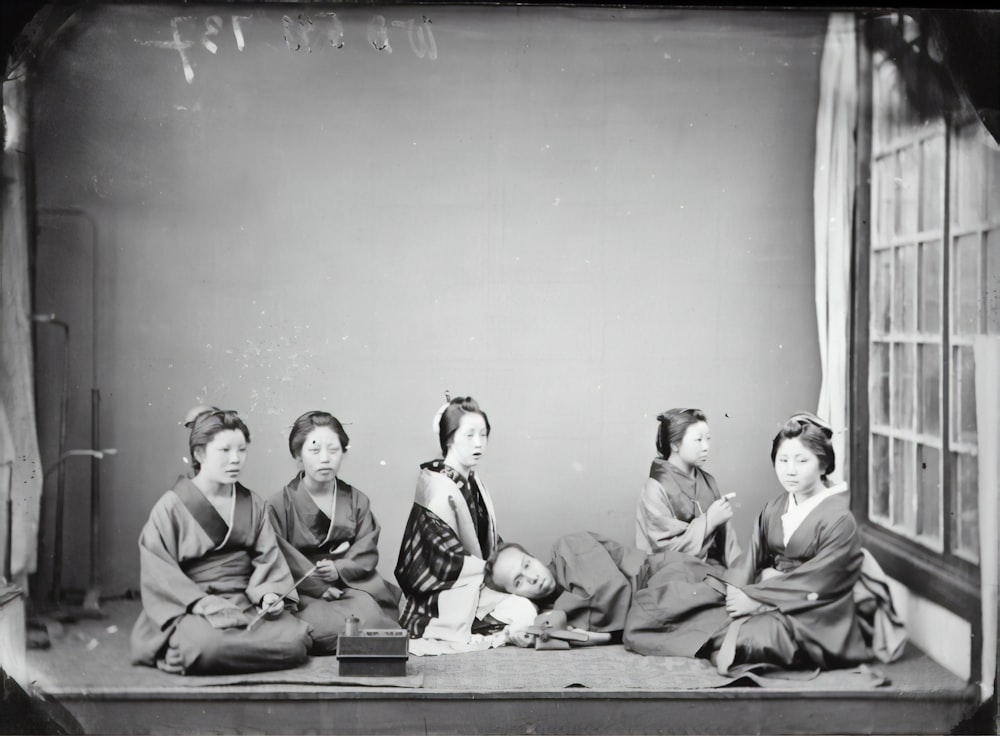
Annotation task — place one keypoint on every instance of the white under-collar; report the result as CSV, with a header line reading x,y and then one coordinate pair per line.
x,y
797,512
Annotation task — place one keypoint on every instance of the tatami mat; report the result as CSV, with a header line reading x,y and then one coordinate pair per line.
x,y
91,656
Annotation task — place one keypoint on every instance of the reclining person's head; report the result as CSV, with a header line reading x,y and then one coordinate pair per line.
x,y
512,569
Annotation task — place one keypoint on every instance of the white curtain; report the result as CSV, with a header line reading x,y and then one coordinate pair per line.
x,y
20,449
987,361
833,204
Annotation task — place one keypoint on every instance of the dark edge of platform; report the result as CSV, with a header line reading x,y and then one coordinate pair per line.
x,y
743,711
969,693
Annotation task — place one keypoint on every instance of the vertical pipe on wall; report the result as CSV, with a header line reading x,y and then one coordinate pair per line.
x,y
55,590
91,601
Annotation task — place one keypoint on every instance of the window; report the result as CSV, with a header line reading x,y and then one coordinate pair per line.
x,y
927,282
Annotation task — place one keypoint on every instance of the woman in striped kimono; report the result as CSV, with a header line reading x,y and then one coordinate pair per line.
x,y
449,534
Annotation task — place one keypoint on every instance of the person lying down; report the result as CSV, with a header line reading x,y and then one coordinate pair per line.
x,y
590,580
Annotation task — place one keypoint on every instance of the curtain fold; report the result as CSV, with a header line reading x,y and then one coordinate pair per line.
x,y
986,352
16,370
833,204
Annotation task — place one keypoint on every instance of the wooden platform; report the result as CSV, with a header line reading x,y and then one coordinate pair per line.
x,y
88,686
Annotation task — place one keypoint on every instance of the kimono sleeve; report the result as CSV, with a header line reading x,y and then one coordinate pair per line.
x,y
298,563
658,528
742,571
361,558
830,574
166,591
270,571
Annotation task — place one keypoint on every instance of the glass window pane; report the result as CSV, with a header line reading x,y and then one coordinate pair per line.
x,y
878,384
904,313
883,190
932,184
903,375
965,285
878,500
929,501
930,389
883,81
881,294
930,287
966,513
903,484
992,295
968,177
993,171
907,191
963,395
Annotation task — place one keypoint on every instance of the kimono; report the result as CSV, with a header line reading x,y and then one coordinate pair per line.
x,y
450,532
813,614
670,515
810,618
188,552
596,578
307,534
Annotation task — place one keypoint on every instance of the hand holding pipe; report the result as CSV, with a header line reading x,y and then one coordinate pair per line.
x,y
270,609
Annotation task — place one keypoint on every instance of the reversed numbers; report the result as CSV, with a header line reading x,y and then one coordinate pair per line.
x,y
421,37
378,34
213,27
299,32
213,24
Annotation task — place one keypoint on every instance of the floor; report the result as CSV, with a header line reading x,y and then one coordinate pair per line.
x,y
88,686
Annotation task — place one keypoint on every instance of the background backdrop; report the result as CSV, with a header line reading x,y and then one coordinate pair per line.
x,y
581,217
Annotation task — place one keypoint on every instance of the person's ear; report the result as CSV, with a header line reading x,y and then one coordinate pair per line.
x,y
199,455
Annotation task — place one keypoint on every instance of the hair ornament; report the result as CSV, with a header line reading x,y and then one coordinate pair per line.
x,y
436,424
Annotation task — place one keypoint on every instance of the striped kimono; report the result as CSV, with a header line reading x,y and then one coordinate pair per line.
x,y
442,556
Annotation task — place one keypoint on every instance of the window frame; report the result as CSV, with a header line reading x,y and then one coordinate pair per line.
x,y
941,577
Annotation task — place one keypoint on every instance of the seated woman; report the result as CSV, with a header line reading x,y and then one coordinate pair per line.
x,y
449,534
322,521
207,557
791,600
680,508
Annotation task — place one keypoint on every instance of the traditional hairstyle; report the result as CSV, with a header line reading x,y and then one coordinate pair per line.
x,y
812,432
491,561
205,422
674,425
451,417
307,423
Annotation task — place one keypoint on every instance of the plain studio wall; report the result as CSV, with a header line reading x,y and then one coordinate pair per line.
x,y
581,217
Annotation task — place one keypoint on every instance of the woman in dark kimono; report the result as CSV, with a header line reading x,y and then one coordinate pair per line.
x,y
211,575
792,599
680,508
323,521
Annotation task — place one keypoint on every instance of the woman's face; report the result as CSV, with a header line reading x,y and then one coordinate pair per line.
x,y
693,449
797,467
468,443
321,455
222,459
